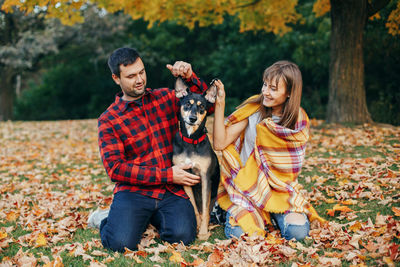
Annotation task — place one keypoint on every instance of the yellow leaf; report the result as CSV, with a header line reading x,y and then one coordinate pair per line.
x,y
3,235
330,200
40,240
321,7
388,261
176,257
349,202
8,5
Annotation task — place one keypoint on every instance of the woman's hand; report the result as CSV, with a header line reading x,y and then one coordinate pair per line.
x,y
220,92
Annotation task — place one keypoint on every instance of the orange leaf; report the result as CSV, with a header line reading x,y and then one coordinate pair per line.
x,y
396,211
197,262
11,216
337,207
3,235
215,258
394,251
355,227
57,262
390,174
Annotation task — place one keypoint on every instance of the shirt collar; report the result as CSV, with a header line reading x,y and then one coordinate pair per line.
x,y
123,104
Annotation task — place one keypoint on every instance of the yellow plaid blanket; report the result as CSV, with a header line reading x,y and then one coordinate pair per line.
x,y
268,181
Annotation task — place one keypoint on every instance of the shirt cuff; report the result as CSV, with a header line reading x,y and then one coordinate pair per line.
x,y
169,174
192,79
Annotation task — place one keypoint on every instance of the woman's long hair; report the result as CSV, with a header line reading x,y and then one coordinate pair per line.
x,y
290,74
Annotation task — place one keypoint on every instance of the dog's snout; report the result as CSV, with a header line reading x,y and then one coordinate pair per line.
x,y
192,119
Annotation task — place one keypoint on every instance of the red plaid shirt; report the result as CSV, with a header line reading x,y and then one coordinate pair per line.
x,y
135,140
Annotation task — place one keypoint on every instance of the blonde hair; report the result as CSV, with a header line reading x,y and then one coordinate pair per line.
x,y
290,74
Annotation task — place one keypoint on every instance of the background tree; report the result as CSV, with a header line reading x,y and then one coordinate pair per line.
x,y
347,88
23,39
26,39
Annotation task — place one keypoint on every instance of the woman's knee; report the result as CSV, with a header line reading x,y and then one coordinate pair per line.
x,y
298,232
232,230
296,226
296,219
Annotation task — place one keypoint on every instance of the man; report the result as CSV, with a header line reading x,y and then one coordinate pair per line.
x,y
135,140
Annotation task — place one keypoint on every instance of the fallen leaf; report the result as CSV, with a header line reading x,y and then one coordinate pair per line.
x,y
330,261
57,262
3,235
396,211
40,240
177,257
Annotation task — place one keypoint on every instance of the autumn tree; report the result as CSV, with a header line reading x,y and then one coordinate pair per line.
x,y
22,40
347,100
26,38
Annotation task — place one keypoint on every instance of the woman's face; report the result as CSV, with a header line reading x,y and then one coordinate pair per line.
x,y
274,96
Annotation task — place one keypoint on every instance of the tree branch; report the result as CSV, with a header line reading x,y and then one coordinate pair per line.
x,y
375,6
254,2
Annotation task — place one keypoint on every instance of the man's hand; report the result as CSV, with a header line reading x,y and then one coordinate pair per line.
x,y
182,177
181,68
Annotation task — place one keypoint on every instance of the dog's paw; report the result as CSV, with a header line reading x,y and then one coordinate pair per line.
x,y
204,236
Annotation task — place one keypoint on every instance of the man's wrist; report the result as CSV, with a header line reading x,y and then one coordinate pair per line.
x,y
170,176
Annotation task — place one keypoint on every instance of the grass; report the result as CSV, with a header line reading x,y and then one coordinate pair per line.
x,y
62,175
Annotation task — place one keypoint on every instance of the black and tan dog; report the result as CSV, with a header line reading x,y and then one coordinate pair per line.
x,y
191,145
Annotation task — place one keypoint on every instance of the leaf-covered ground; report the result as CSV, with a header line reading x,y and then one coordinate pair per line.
x,y
51,177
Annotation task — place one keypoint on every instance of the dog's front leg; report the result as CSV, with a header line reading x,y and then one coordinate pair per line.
x,y
189,192
204,234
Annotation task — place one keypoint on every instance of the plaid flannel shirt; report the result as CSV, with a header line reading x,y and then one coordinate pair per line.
x,y
135,141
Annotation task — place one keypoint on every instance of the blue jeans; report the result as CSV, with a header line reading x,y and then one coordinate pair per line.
x,y
288,231
131,213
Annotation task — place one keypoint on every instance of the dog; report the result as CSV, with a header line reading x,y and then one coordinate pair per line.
x,y
191,145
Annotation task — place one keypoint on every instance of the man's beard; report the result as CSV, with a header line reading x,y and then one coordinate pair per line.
x,y
134,94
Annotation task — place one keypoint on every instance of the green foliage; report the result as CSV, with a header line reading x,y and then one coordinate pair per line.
x,y
74,90
382,70
238,59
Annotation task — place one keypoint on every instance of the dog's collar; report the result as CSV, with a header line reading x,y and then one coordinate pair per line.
x,y
192,141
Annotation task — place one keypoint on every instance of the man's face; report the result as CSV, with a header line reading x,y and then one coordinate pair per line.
x,y
132,80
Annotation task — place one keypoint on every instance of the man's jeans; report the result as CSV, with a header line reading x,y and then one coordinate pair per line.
x,y
288,231
131,213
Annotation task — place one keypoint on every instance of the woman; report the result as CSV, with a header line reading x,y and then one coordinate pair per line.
x,y
263,147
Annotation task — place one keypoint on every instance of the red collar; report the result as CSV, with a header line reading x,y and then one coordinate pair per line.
x,y
192,141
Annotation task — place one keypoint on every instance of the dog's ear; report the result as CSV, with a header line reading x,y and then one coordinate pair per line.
x,y
181,88
211,93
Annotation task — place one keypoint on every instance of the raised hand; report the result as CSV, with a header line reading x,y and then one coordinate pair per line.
x,y
181,68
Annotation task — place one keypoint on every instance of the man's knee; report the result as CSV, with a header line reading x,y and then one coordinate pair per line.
x,y
185,234
119,241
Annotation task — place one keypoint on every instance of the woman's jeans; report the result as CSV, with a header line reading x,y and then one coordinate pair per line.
x,y
131,213
288,231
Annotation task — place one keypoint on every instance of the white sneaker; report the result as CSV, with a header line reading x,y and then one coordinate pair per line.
x,y
96,217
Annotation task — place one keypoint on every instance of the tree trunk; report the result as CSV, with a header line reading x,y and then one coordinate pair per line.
x,y
6,94
347,101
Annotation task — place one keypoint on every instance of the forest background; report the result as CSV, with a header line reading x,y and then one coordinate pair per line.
x,y
60,72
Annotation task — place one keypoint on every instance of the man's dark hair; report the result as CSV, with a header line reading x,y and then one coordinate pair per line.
x,y
124,56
